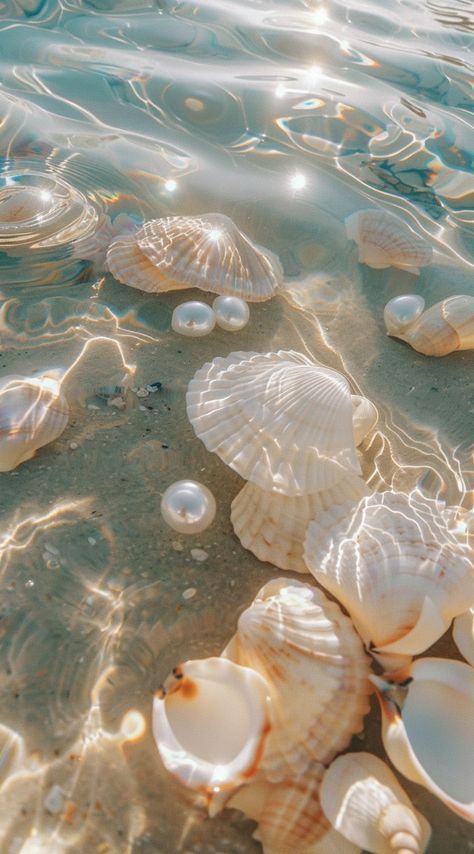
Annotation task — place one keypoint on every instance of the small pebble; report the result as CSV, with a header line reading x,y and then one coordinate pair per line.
x,y
178,547
142,392
189,593
73,446
153,387
199,554
92,406
29,583
54,800
117,402
91,541
143,409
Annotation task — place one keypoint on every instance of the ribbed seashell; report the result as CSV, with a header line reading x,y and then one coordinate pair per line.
x,y
428,728
277,419
364,417
395,565
210,722
385,240
96,247
209,252
129,265
364,801
273,526
463,635
314,664
289,815
444,328
33,412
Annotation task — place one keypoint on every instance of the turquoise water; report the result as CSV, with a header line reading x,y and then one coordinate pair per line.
x,y
287,117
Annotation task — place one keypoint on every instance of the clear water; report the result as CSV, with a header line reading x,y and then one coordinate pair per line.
x,y
286,116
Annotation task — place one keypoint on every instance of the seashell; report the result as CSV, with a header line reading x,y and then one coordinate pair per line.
x,y
278,419
428,728
442,329
210,723
131,267
33,413
273,526
385,240
395,565
364,801
364,417
463,635
316,670
209,252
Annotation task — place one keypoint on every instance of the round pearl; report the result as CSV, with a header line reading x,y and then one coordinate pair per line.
x,y
232,313
401,312
188,507
193,319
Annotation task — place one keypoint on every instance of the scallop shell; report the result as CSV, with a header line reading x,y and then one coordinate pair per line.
x,y
209,252
210,723
428,728
273,526
33,412
384,240
130,266
278,419
364,417
442,329
395,565
314,664
364,801
463,635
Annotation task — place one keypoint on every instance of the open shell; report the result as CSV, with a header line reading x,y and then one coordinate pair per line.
x,y
273,526
278,419
444,328
33,412
364,801
463,635
384,240
210,723
396,566
129,265
315,667
428,728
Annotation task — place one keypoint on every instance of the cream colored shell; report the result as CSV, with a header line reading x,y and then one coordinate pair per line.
x,y
395,565
384,240
314,664
273,526
130,266
444,328
428,728
463,635
364,801
33,413
364,417
278,419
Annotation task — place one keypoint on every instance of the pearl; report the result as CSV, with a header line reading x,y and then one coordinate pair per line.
x,y
188,507
193,319
401,312
232,313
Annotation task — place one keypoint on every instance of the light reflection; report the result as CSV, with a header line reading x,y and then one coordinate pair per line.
x,y
170,186
298,181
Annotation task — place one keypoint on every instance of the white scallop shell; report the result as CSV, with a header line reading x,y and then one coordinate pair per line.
x,y
364,417
209,252
444,328
463,635
273,526
129,265
396,566
384,240
33,412
364,801
278,419
315,667
210,723
428,728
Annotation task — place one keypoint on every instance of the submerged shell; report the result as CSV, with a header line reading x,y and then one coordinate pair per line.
x,y
315,667
129,265
396,566
463,635
364,801
209,252
273,526
384,240
33,412
278,419
210,723
428,728
442,329
364,417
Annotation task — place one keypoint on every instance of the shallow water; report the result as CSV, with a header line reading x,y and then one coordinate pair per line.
x,y
286,117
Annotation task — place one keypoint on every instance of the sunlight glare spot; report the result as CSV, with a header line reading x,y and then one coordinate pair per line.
x,y
298,181
170,186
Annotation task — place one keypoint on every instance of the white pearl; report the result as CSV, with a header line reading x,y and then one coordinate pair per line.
x,y
188,507
401,312
232,313
193,319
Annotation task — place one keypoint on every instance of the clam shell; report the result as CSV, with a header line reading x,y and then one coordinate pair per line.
x,y
444,328
395,565
278,419
364,801
384,240
273,526
33,412
209,252
463,635
129,265
428,728
210,723
314,664
364,417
